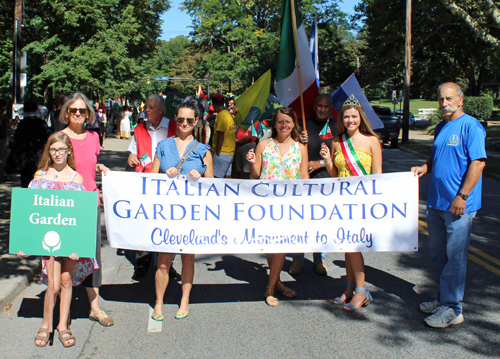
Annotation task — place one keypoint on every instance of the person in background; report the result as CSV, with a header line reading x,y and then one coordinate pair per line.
x,y
223,139
56,124
320,129
142,150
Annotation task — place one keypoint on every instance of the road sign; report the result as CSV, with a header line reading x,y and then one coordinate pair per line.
x,y
162,79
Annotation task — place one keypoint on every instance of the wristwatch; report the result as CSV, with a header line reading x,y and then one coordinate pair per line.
x,y
464,196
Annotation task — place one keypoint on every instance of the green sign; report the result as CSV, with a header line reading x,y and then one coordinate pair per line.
x,y
53,222
171,102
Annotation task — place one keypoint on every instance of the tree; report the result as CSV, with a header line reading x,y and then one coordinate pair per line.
x,y
93,46
443,47
479,16
6,46
242,37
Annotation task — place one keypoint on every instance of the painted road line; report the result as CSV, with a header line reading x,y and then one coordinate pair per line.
x,y
154,326
484,255
476,251
484,264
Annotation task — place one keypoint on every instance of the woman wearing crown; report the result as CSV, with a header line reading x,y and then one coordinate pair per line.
x,y
356,151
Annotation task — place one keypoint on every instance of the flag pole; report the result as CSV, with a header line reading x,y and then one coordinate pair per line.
x,y
298,65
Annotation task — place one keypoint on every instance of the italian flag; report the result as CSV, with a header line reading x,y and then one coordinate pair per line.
x,y
325,133
287,77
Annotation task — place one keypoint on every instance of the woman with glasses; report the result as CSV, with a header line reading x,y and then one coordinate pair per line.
x,y
281,157
76,112
180,155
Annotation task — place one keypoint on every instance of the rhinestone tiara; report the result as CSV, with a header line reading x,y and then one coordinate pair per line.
x,y
352,101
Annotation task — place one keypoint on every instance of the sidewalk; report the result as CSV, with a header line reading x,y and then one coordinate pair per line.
x,y
16,272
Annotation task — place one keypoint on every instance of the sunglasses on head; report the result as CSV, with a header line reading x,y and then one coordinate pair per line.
x,y
73,110
189,120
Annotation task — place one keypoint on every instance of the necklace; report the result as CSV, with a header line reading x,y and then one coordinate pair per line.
x,y
56,175
76,134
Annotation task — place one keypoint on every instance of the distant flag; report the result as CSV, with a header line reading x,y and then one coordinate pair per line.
x,y
134,111
103,104
325,133
254,131
251,104
351,87
313,47
287,78
118,103
200,93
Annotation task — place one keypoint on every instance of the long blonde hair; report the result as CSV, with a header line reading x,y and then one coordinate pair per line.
x,y
46,160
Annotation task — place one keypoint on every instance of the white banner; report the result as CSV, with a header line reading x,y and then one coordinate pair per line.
x,y
153,212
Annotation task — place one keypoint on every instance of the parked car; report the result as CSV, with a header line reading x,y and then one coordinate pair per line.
x,y
399,113
392,125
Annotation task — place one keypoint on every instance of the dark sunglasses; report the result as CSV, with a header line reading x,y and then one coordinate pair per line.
x,y
83,111
189,120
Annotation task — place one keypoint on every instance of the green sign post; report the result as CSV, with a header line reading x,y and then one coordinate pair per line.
x,y
53,222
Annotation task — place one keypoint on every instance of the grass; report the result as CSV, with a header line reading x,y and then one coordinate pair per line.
x,y
414,104
493,133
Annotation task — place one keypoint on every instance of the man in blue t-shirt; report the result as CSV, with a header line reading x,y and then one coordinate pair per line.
x,y
456,166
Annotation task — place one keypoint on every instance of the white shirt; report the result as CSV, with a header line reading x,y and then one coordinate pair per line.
x,y
157,134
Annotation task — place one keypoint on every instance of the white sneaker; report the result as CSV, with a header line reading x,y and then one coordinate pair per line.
x,y
429,307
443,317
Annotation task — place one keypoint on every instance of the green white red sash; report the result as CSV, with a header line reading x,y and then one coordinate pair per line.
x,y
351,157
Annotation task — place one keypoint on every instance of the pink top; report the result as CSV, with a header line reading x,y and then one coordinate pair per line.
x,y
86,152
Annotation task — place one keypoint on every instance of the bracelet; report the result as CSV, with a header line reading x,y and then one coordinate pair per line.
x,y
322,163
327,163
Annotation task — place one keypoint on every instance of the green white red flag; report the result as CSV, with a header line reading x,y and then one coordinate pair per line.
x,y
325,133
287,78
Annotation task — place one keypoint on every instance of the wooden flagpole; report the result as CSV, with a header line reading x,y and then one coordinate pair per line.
x,y
298,65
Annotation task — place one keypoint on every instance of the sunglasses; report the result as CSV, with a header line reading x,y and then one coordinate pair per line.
x,y
72,111
61,150
189,120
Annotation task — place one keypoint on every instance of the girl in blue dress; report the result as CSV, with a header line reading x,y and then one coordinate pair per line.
x,y
180,155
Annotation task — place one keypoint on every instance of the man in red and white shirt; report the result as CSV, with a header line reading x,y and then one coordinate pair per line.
x,y
142,150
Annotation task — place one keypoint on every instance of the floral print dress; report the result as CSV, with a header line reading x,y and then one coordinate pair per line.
x,y
280,167
83,266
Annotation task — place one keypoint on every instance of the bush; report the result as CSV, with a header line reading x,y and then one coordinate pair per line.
x,y
478,107
435,118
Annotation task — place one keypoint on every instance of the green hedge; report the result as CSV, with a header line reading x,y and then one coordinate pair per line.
x,y
478,107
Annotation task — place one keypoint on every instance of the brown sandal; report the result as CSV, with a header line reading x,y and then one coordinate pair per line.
x,y
103,320
44,339
69,337
285,291
270,299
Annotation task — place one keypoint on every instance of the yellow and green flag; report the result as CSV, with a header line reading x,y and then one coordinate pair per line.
x,y
251,104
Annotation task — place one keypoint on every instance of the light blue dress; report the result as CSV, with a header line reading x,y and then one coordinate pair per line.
x,y
169,156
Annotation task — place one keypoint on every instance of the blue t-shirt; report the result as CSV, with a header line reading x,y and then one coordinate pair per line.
x,y
168,154
456,144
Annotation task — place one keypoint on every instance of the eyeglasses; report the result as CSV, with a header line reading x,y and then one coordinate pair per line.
x,y
189,120
83,111
61,150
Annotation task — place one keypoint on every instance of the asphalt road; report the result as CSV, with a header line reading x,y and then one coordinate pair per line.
x,y
229,318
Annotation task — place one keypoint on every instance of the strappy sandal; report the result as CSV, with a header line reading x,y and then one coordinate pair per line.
x,y
284,290
271,300
338,300
368,298
44,339
103,320
69,337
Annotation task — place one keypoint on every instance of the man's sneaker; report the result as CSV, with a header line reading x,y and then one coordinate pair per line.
x,y
429,307
320,267
296,267
444,317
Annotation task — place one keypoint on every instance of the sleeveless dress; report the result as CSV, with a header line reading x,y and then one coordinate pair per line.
x,y
278,167
364,157
169,156
83,266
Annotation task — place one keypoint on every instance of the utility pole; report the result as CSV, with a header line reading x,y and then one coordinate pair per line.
x,y
18,45
406,103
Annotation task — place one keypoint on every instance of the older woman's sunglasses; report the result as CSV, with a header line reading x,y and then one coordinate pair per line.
x,y
189,120
73,110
